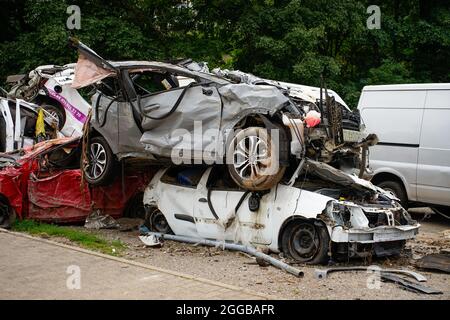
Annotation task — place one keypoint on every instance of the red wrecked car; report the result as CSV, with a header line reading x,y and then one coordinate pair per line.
x,y
44,182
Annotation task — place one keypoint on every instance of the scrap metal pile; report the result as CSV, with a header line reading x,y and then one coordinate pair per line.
x,y
222,155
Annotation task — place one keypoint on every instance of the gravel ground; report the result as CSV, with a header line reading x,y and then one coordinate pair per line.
x,y
239,269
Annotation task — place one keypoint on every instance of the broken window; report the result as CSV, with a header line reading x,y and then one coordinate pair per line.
x,y
183,176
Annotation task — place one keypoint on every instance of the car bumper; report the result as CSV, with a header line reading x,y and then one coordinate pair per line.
x,y
374,235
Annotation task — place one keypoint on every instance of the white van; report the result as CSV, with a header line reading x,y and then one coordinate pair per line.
x,y
412,158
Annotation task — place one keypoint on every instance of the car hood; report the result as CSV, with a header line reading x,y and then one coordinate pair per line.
x,y
329,173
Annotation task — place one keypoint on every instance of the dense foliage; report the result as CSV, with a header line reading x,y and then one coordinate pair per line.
x,y
290,40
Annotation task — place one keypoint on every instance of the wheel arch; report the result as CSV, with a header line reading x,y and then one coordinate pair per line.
x,y
41,99
93,132
391,176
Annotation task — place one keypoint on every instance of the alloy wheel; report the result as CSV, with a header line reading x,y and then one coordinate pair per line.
x,y
251,157
96,160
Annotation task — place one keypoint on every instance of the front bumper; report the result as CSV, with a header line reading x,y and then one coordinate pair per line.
x,y
374,235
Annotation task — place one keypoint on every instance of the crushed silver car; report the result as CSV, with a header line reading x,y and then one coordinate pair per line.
x,y
141,113
324,213
338,139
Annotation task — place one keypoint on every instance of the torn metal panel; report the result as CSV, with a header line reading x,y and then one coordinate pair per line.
x,y
409,285
97,220
87,73
438,261
38,183
329,173
58,197
323,273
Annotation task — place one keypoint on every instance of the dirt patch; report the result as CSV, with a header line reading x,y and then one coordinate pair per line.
x,y
241,270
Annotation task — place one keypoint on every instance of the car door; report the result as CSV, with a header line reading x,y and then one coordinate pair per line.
x,y
224,197
182,123
433,170
55,189
177,193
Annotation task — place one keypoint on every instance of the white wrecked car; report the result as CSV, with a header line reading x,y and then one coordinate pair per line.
x,y
50,87
324,211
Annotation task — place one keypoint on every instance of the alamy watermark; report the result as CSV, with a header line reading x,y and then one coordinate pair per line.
x,y
374,279
73,281
374,20
74,19
252,151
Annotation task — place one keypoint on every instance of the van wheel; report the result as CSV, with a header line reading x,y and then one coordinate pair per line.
x,y
305,242
252,161
397,189
99,165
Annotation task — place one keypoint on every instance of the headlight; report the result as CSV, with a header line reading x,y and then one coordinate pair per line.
x,y
347,215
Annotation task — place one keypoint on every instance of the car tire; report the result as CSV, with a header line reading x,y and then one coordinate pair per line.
x,y
250,160
306,242
155,221
100,163
57,112
7,214
397,189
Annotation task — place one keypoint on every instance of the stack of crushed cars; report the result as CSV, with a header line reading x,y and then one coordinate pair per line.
x,y
238,158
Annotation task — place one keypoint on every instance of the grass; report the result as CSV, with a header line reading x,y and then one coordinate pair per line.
x,y
82,238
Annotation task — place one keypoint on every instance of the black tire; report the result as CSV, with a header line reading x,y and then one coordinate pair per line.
x,y
155,221
7,214
397,189
250,160
306,242
57,111
100,163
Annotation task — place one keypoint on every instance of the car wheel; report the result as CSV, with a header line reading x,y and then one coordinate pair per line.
x,y
397,189
252,160
305,242
55,112
155,221
7,215
442,211
98,167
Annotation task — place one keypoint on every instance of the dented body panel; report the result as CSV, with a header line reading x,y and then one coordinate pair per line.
x,y
37,190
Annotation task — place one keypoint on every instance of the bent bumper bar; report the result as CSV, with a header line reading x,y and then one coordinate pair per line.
x,y
374,235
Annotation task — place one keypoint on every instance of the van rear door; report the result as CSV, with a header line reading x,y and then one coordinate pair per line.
x,y
433,170
396,117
